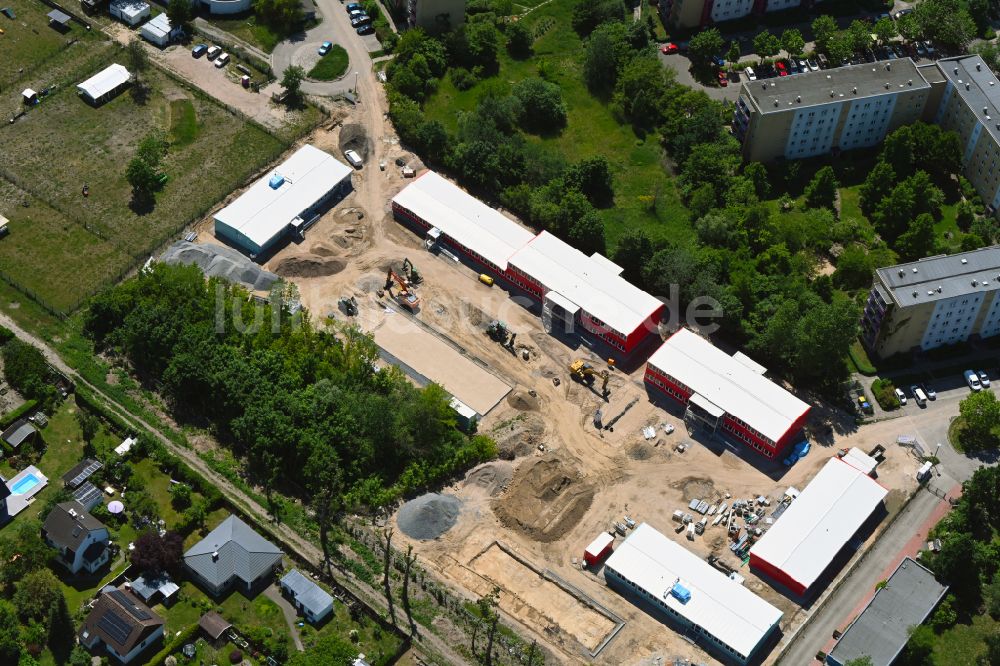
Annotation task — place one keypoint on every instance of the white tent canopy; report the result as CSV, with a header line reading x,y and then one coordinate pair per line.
x,y
104,82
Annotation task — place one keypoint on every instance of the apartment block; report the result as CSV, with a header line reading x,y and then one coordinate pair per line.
x,y
435,15
699,13
933,302
815,113
970,107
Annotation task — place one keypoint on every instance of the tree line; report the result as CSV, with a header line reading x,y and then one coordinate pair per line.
x,y
309,409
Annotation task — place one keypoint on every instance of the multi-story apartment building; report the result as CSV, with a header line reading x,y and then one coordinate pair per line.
x,y
435,15
814,113
856,106
698,13
933,302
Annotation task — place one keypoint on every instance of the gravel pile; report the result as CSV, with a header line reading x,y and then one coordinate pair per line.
x,y
429,516
220,261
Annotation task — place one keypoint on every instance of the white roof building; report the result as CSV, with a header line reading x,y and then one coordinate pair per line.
x,y
651,564
463,218
263,213
817,525
105,82
158,30
735,384
592,283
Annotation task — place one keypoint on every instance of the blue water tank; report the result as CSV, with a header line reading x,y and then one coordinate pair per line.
x,y
681,593
277,180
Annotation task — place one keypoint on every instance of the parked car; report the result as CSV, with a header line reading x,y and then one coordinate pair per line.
x,y
901,12
213,52
718,61
324,48
199,50
888,53
751,75
901,396
352,6
357,12
919,396
921,50
365,30
929,391
984,379
723,80
823,62
898,50
360,21
930,48
669,48
782,70
813,65
804,66
972,379
222,60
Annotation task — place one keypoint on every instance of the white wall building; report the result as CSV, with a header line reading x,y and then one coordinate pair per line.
x,y
721,614
159,31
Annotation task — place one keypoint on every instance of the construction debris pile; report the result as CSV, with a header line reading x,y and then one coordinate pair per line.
x,y
429,516
220,261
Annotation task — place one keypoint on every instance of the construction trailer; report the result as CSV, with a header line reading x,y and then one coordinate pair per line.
x,y
727,393
822,520
598,549
578,293
660,575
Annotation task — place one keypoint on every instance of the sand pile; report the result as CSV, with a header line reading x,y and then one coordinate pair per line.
x,y
220,261
308,266
492,478
519,436
546,499
428,516
523,401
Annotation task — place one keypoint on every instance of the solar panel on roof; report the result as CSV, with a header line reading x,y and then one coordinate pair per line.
x,y
115,626
88,495
85,473
129,606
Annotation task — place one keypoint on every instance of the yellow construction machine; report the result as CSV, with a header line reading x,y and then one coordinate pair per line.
x,y
584,373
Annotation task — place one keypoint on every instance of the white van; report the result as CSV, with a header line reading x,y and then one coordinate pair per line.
x,y
353,158
919,395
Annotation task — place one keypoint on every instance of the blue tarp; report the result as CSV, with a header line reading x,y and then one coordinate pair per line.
x,y
798,451
681,593
277,180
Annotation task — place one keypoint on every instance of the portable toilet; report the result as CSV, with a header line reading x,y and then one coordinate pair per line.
x,y
924,472
680,593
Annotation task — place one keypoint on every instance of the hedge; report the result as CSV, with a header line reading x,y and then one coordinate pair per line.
x,y
861,360
175,645
7,419
84,400
884,392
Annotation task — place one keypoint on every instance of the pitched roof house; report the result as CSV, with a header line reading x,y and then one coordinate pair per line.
x,y
233,554
122,624
81,539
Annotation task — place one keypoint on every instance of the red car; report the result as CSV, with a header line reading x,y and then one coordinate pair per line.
x,y
782,70
723,79
669,48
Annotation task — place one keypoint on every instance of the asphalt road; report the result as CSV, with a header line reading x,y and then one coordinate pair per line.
x,y
836,610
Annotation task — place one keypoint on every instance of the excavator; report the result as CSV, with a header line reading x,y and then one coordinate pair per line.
x,y
404,296
411,272
584,373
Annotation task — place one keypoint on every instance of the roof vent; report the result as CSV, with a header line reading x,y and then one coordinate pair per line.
x,y
854,90
960,81
993,83
886,85
215,556
939,289
828,76
914,269
833,94
909,82
988,118
975,283
964,260
968,87
888,67
798,98
956,70
776,102
979,67
914,294
901,272
930,292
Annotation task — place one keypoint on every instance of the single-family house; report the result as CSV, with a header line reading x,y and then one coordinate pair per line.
x,y
81,540
310,599
121,624
233,555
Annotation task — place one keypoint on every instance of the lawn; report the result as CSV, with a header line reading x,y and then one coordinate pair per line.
x,y
646,197
962,644
27,43
331,66
247,29
71,144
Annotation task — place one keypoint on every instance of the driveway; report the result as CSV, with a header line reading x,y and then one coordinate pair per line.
x,y
291,616
336,27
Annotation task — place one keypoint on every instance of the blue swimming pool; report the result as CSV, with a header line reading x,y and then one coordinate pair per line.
x,y
25,484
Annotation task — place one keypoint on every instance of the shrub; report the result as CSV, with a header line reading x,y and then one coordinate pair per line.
x,y
462,78
884,391
235,657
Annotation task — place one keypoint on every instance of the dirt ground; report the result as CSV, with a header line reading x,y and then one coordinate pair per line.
x,y
560,481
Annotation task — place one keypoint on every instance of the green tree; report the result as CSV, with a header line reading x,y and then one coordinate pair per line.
x,y
991,595
587,234
766,44
945,21
10,639
154,553
704,45
734,53
638,91
793,42
23,552
592,177
919,647
633,251
945,615
79,657
822,189
25,369
860,661
138,59
544,109
885,30
981,418
909,27
839,47
519,40
877,186
291,81
919,240
35,594
180,496
89,425
860,33
180,14
283,15
992,656
605,50
757,173
144,180
823,27
588,15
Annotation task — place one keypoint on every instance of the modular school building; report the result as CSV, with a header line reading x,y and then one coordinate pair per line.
x,y
722,615
815,528
287,200
572,287
726,391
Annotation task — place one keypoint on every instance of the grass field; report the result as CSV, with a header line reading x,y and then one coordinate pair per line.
x,y
64,247
646,197
962,644
247,29
331,66
30,42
